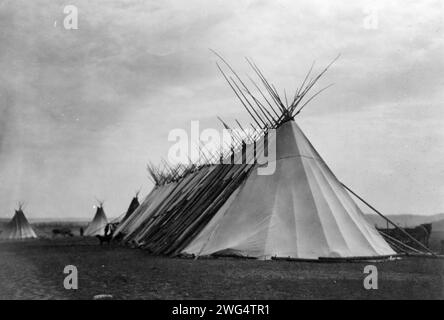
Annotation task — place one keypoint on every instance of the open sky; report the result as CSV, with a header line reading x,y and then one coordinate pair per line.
x,y
82,111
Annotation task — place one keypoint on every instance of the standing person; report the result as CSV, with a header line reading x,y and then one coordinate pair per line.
x,y
107,230
81,231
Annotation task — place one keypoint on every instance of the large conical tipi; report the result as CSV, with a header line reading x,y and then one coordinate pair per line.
x,y
300,211
18,227
98,224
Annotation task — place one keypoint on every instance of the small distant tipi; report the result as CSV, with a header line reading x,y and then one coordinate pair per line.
x,y
18,227
132,207
98,224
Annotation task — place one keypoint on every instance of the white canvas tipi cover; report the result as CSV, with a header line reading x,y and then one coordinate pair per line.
x,y
18,228
300,211
98,224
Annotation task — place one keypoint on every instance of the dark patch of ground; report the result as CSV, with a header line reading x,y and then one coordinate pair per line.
x,y
34,270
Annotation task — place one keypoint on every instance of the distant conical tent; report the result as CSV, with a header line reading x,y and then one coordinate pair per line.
x,y
18,227
98,224
132,207
300,211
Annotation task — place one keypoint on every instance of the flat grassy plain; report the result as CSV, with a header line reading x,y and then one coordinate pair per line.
x,y
33,269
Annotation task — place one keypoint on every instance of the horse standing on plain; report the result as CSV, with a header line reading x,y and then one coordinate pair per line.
x,y
64,232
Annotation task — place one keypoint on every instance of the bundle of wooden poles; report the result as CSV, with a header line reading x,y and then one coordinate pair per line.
x,y
176,211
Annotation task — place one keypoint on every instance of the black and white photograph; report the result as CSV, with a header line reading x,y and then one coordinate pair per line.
x,y
221,155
